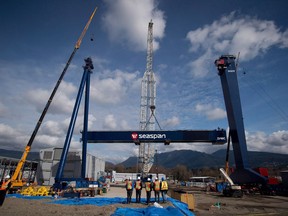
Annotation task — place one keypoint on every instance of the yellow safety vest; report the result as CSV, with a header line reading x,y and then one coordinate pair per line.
x,y
156,185
5,184
164,185
138,185
129,185
148,186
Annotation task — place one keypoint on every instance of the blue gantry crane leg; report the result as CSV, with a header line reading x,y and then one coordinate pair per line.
x,y
227,71
85,80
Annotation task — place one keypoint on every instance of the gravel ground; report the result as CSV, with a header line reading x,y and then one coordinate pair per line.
x,y
204,202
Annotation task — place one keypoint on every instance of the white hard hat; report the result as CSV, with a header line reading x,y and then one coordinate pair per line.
x,y
138,177
7,177
156,178
148,179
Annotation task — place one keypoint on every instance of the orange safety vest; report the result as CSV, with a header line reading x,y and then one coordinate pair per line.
x,y
148,186
164,185
156,185
129,185
5,184
138,185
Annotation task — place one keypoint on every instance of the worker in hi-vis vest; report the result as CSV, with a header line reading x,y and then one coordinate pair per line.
x,y
148,188
156,188
129,189
164,189
6,184
138,188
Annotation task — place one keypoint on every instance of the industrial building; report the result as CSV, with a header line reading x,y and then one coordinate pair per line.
x,y
49,162
8,166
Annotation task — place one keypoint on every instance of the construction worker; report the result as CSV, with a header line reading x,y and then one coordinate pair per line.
x,y
156,188
129,189
138,188
164,189
148,187
6,183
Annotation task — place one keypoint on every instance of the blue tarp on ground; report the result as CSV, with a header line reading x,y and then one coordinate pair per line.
x,y
179,210
150,211
183,207
101,201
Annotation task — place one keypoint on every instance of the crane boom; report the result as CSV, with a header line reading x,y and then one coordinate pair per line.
x,y
16,178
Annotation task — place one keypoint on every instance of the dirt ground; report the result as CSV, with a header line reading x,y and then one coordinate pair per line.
x,y
204,205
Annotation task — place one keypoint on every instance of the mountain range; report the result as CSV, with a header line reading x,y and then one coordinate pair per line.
x,y
32,156
195,160
191,159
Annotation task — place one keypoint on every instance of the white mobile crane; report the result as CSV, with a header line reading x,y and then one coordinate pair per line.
x,y
232,189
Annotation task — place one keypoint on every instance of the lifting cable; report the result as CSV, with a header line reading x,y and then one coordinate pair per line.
x,y
260,90
152,108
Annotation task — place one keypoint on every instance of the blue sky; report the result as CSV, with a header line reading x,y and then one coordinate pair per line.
x,y
37,38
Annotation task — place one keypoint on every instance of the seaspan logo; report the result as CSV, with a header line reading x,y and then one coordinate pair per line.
x,y
134,136
147,136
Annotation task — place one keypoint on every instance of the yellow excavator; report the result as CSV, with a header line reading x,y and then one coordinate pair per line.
x,y
16,181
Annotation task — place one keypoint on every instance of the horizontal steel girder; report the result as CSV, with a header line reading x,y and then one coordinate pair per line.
x,y
209,136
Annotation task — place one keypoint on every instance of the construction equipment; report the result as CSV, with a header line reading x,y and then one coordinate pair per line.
x,y
82,182
243,174
214,136
147,107
16,180
35,191
231,189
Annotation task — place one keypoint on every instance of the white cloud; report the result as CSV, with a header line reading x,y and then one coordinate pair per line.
x,y
124,125
284,39
63,101
118,152
112,87
53,128
198,67
276,142
174,121
110,122
11,138
127,22
210,112
278,139
232,34
51,134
